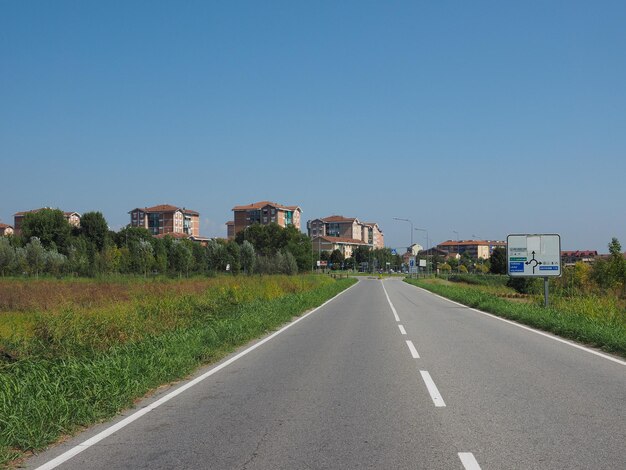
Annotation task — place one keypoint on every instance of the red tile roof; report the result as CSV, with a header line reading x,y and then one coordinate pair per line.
x,y
351,241
584,253
5,225
471,243
166,208
23,213
261,204
338,218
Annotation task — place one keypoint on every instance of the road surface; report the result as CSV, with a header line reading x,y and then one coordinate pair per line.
x,y
384,376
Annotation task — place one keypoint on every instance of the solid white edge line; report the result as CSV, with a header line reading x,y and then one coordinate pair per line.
x,y
469,461
402,330
64,457
528,328
432,389
414,353
393,309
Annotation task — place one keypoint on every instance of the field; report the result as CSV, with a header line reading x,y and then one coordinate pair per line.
x,y
594,319
74,352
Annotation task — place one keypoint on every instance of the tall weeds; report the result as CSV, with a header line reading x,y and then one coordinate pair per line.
x,y
81,365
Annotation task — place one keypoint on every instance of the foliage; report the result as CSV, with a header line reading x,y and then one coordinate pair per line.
x,y
86,363
49,226
497,261
95,229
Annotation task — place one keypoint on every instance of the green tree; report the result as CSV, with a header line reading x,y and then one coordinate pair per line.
x,y
49,226
36,256
361,254
217,256
94,227
20,261
55,262
7,255
129,235
234,257
248,257
497,261
336,258
180,257
141,253
617,263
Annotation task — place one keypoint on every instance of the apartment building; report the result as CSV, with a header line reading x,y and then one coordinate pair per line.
x,y
477,249
373,235
264,213
166,219
6,230
73,218
345,245
347,228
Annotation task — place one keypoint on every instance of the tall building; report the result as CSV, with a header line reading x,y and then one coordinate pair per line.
x,y
73,218
166,219
263,213
347,228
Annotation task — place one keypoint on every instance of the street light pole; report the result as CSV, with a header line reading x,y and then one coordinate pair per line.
x,y
409,221
411,247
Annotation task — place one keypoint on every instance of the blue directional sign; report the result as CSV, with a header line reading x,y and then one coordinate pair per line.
x,y
516,267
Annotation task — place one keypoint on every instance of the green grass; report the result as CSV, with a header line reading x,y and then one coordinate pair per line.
x,y
47,394
574,319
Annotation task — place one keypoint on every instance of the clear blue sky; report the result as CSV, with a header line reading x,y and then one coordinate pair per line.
x,y
484,118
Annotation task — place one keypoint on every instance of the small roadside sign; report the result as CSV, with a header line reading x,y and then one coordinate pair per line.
x,y
534,255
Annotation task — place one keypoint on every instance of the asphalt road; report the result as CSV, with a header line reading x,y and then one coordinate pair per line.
x,y
431,385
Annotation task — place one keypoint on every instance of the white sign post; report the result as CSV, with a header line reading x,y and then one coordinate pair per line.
x,y
536,255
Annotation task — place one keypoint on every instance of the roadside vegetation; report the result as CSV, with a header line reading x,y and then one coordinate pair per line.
x,y
48,245
586,304
74,352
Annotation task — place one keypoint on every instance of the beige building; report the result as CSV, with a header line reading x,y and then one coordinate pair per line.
x,y
347,228
166,219
6,230
477,249
73,218
264,213
345,245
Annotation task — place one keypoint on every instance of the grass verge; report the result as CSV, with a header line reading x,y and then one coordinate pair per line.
x,y
43,398
606,333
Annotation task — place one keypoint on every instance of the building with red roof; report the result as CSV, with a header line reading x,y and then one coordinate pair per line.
x,y
166,219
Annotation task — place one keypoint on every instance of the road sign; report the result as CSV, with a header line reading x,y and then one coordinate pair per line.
x,y
536,255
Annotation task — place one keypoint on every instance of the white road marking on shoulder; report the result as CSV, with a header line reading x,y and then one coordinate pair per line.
x,y
402,330
409,343
432,389
528,328
393,309
138,414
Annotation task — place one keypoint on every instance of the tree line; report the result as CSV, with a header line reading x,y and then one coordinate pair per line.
x,y
48,244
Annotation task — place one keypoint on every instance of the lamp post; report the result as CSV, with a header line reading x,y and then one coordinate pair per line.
x,y
427,246
411,247
409,221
